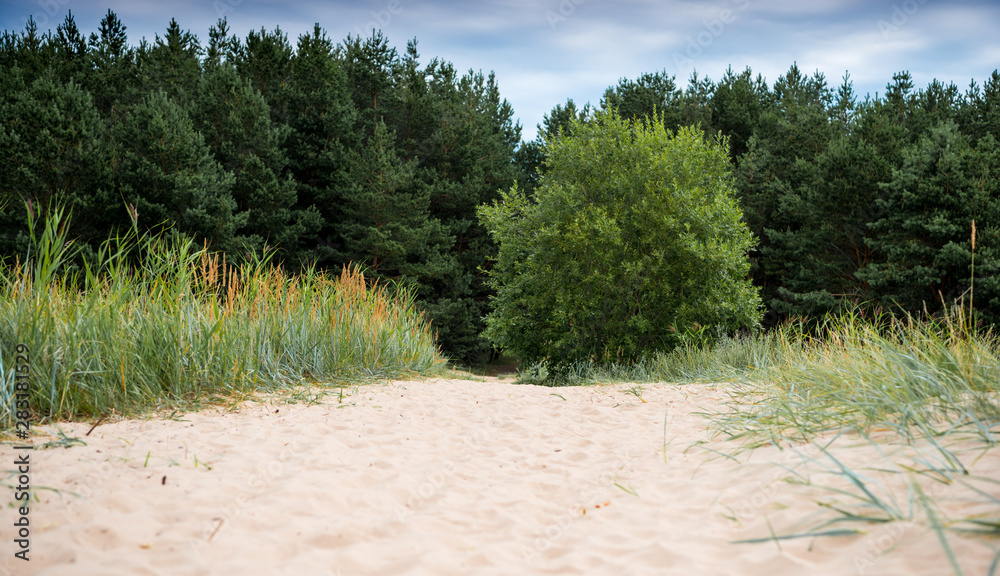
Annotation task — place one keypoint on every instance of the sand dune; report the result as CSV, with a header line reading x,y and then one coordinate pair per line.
x,y
458,477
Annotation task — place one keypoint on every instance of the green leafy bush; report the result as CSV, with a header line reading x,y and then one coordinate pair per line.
x,y
631,239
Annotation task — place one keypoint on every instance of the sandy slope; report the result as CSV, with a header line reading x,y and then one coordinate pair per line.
x,y
456,477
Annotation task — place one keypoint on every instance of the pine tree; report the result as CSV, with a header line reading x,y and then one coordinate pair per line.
x,y
167,172
529,161
173,65
371,66
220,44
529,157
236,124
838,191
113,75
474,162
925,234
31,52
560,121
321,118
386,225
933,105
844,106
71,50
640,99
264,59
694,107
979,113
737,102
12,75
773,178
459,136
55,154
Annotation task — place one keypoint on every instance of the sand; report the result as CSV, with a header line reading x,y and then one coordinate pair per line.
x,y
466,477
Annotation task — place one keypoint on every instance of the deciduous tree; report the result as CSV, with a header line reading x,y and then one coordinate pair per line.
x,y
632,236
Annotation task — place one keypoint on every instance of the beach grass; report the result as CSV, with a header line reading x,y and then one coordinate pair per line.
x,y
922,397
917,378
153,322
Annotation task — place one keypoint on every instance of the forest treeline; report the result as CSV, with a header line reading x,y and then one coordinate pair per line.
x,y
854,202
325,154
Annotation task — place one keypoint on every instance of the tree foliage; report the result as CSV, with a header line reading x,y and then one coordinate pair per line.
x,y
55,154
925,234
235,120
168,173
632,236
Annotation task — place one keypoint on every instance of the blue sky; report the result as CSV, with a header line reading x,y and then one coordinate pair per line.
x,y
545,51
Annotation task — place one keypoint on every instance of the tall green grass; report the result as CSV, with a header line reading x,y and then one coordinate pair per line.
x,y
916,378
154,320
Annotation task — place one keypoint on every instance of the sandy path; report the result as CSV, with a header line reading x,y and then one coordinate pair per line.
x,y
446,477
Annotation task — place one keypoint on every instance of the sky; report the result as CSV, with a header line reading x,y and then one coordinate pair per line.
x,y
547,51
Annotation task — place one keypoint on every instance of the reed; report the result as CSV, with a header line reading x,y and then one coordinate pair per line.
x,y
154,321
